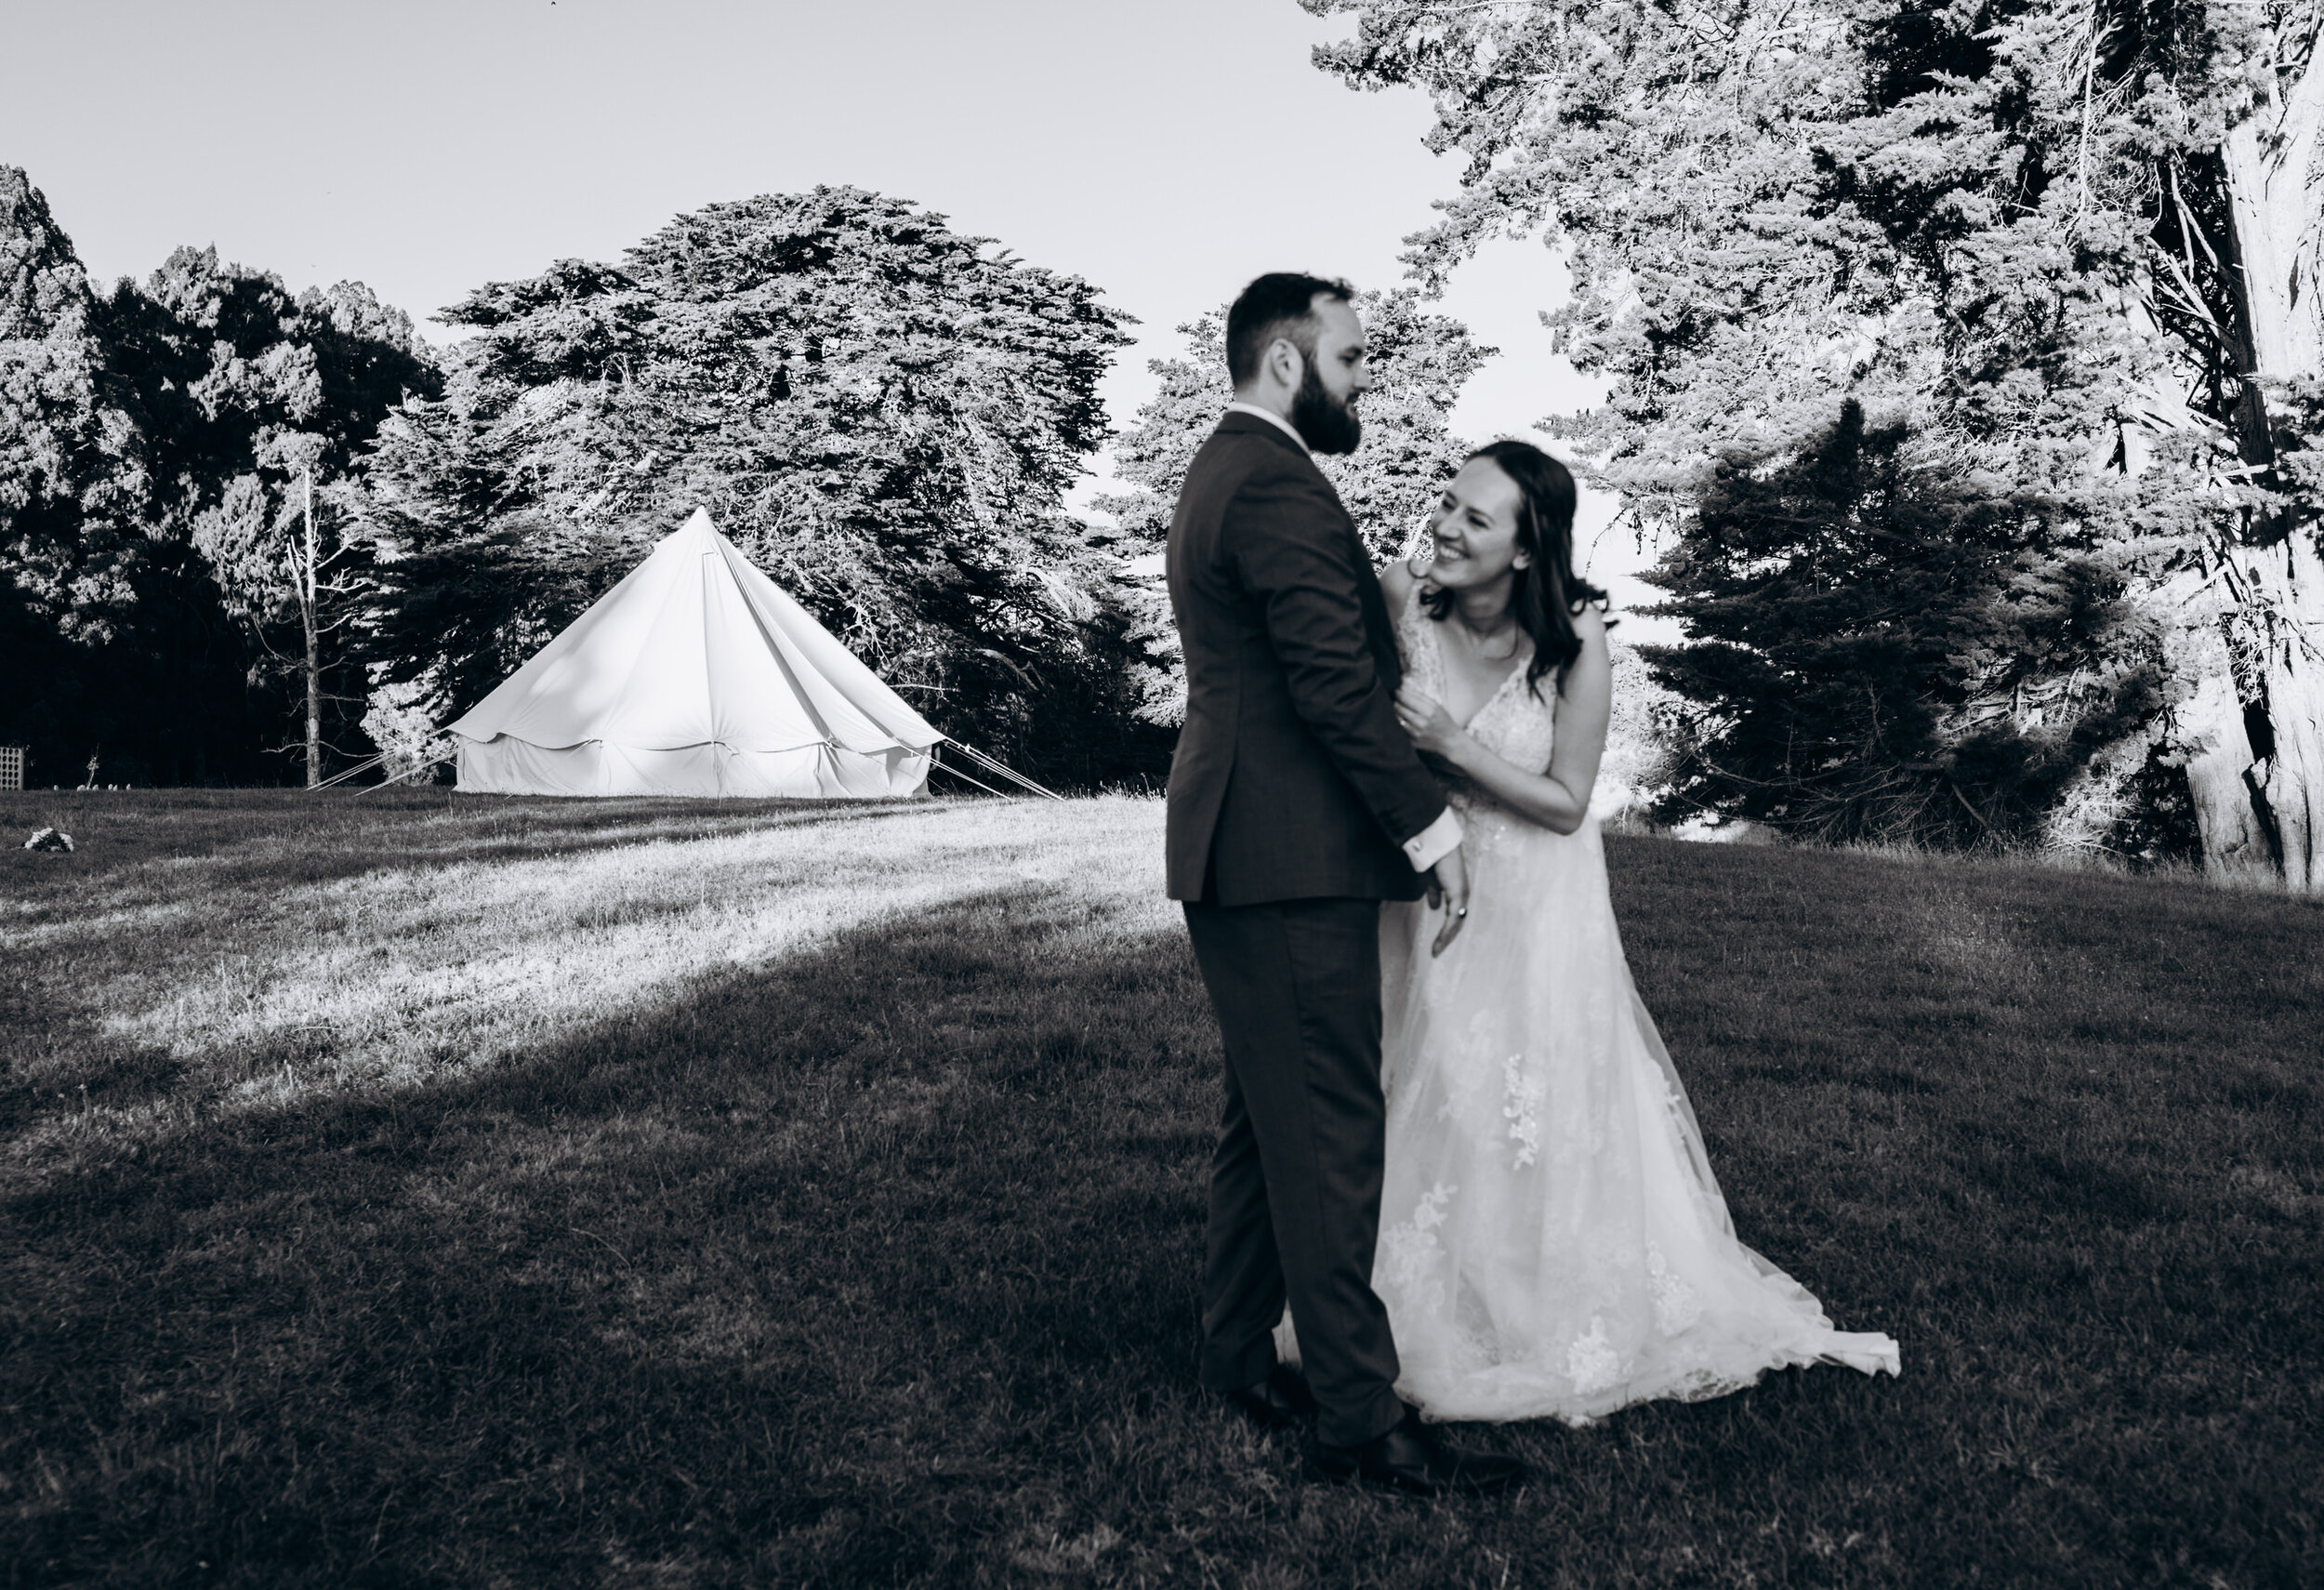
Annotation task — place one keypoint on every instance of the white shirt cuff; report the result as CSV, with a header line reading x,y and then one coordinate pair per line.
x,y
1432,843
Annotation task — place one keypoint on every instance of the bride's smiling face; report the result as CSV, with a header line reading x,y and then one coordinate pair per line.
x,y
1475,528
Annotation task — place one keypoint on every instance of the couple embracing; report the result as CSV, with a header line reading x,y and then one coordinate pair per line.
x,y
1452,1144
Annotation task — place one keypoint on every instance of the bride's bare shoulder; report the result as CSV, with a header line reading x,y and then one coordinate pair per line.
x,y
1589,622
1398,579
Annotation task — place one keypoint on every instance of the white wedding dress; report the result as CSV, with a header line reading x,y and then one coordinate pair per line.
x,y
1552,1242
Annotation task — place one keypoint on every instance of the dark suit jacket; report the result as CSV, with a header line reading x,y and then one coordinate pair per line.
x,y
1292,779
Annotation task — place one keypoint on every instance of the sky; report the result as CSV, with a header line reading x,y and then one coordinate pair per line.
x,y
1166,151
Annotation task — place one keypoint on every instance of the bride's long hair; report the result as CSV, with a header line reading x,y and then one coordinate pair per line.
x,y
1546,593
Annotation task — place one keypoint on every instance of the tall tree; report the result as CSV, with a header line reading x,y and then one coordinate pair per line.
x,y
149,440
2235,277
1420,361
2007,226
116,673
253,408
68,543
885,414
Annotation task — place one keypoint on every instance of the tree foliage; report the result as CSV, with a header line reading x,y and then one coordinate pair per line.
x,y
254,408
67,549
1876,654
1996,229
148,435
884,414
1420,361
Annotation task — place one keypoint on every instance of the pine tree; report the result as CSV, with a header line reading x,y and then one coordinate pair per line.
x,y
1878,653
68,540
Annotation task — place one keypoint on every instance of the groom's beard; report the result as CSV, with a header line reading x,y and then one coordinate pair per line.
x,y
1327,424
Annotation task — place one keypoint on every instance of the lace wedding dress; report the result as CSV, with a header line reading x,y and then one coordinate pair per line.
x,y
1552,1242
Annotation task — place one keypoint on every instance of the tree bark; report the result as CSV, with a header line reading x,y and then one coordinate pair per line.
x,y
2270,162
2236,843
2287,775
308,616
2276,200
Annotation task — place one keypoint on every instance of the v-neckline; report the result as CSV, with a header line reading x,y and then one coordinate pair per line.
x,y
1517,660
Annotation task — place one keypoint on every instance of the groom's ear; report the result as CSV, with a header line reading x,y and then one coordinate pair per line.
x,y
1285,363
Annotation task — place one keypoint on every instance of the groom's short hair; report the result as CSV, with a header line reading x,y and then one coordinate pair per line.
x,y
1281,303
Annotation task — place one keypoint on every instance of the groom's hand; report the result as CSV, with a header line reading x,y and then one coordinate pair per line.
x,y
1448,883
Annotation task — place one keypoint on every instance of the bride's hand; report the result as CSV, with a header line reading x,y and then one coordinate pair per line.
x,y
1426,722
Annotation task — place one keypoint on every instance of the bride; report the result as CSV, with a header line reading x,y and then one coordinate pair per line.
x,y
1552,1242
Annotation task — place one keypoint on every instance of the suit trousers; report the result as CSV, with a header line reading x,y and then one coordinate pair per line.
x,y
1295,1181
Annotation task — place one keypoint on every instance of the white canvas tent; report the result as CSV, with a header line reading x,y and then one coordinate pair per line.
x,y
695,675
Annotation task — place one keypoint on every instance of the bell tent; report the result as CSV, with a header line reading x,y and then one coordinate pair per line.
x,y
695,675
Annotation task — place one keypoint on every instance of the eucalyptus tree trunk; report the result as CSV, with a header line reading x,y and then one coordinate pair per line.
x,y
308,617
2262,775
2236,843
2284,622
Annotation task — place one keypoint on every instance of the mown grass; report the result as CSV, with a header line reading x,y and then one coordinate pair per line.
x,y
410,1189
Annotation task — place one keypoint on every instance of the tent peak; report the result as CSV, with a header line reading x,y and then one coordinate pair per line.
x,y
698,522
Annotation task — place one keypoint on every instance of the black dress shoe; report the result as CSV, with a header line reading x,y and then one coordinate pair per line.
x,y
1278,1401
1413,1457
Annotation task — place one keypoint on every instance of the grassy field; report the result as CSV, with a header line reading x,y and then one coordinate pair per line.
x,y
411,1189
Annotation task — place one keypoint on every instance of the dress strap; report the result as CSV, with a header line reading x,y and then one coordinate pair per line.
x,y
1412,613
1414,636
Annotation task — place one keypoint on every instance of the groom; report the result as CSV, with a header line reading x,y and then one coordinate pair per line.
x,y
1295,807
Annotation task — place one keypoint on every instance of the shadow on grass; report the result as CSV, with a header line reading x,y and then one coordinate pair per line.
x,y
826,1274
876,1265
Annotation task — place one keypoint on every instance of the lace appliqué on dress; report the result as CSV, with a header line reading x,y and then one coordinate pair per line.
x,y
1521,1106
1515,725
1676,1306
1409,1251
1591,1360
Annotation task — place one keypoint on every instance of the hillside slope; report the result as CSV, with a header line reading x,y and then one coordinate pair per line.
x,y
415,1188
